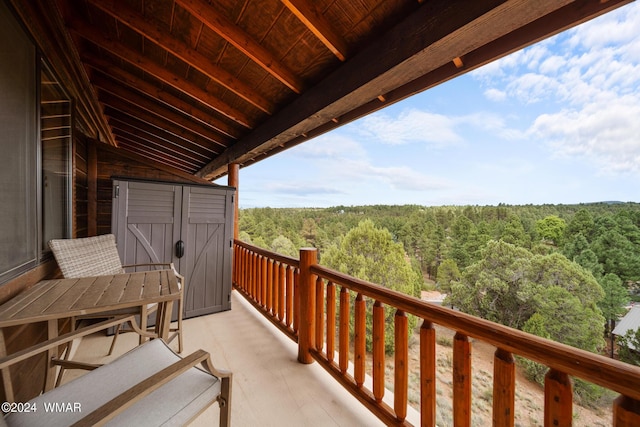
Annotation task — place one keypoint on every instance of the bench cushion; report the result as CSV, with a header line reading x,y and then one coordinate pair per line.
x,y
173,404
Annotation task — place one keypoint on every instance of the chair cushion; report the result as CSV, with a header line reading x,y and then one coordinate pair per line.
x,y
87,257
173,404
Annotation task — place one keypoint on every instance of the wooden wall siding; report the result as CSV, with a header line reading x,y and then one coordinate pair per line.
x,y
80,210
117,162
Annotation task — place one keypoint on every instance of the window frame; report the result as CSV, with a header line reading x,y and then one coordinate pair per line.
x,y
36,251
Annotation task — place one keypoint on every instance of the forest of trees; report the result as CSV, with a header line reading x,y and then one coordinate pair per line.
x,y
563,272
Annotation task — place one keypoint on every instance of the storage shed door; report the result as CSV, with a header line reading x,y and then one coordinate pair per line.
x,y
148,221
207,236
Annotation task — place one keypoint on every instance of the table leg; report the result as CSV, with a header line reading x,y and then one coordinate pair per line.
x,y
163,319
50,370
143,322
6,372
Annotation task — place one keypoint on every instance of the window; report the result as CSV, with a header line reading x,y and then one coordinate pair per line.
x,y
18,137
35,158
55,140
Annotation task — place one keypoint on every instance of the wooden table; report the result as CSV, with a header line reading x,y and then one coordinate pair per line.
x,y
51,300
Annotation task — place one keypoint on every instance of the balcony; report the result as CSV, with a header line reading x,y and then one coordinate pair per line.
x,y
272,355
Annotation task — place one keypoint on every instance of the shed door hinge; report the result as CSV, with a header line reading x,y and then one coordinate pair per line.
x,y
116,191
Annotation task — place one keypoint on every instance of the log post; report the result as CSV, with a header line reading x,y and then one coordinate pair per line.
x,y
359,339
289,296
378,351
320,321
401,371
461,380
558,399
504,389
234,172
331,320
307,304
626,412
428,374
281,291
343,331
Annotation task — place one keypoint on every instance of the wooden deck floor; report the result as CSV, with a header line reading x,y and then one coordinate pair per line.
x,y
270,388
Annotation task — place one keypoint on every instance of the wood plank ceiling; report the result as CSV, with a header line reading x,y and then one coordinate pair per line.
x,y
197,84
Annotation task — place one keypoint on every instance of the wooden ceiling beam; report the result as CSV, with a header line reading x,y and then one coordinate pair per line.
x,y
306,12
228,30
159,110
187,175
116,48
162,37
424,42
151,154
160,151
121,128
146,116
157,122
152,133
103,66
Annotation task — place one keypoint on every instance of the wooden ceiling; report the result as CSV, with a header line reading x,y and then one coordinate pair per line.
x,y
198,84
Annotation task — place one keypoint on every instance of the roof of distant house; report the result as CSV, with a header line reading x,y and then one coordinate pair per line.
x,y
631,321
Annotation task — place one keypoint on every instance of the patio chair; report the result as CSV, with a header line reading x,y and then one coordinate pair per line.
x,y
98,256
148,386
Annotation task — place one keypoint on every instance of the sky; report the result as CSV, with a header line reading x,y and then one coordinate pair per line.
x,y
558,122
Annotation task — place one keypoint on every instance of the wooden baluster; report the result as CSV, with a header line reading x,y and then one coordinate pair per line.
x,y
243,268
558,399
296,300
626,412
239,264
307,304
343,357
253,275
263,281
504,388
281,294
249,275
274,288
378,351
427,374
401,369
319,314
234,266
331,320
360,344
461,380
289,296
269,300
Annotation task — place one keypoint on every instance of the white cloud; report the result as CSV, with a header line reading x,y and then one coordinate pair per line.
x,y
618,27
331,146
605,134
342,159
302,188
588,81
410,126
494,94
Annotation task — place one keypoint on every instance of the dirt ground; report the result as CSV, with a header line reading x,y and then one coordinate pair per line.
x,y
529,395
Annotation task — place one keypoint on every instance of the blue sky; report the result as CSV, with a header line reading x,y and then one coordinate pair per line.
x,y
558,122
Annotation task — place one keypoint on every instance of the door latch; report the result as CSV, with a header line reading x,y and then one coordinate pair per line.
x,y
179,249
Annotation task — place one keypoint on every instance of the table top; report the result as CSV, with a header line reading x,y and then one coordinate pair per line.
x,y
62,298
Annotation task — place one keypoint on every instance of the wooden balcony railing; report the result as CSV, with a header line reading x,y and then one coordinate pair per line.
x,y
306,301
